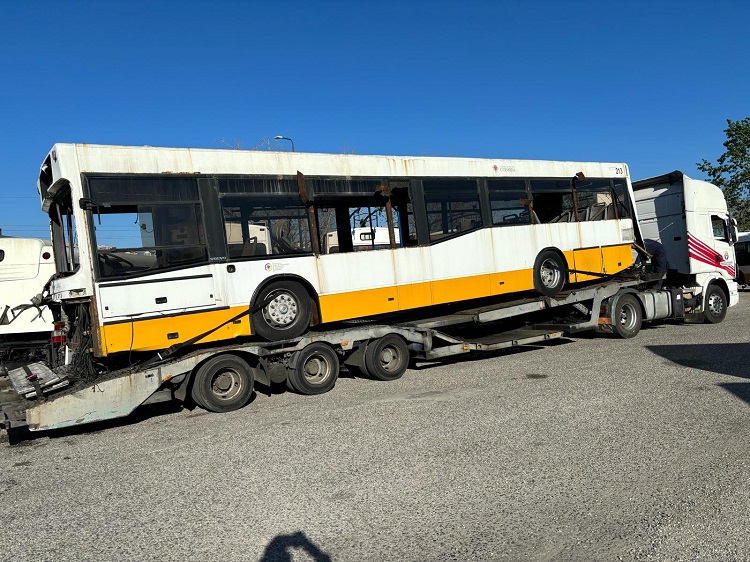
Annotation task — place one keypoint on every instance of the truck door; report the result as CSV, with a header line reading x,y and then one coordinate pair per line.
x,y
720,240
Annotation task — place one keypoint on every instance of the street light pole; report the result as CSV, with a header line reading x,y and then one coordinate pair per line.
x,y
279,137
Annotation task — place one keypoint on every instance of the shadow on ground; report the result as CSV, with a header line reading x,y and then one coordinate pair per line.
x,y
723,358
281,548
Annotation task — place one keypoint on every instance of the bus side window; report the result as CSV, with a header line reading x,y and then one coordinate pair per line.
x,y
553,200
623,199
452,207
594,200
262,226
509,202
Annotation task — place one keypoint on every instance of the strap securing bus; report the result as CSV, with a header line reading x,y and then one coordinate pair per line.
x,y
170,351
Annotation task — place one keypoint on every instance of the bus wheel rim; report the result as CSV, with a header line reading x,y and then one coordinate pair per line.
x,y
549,273
282,311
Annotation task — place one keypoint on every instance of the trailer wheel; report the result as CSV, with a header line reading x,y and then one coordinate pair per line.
x,y
222,384
627,316
715,305
286,316
314,369
549,273
387,358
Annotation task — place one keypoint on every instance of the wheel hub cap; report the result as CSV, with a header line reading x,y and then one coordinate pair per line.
x,y
282,310
226,384
316,369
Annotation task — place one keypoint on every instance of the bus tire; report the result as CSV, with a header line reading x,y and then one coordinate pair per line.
x,y
387,358
288,314
549,273
627,316
714,305
314,369
222,384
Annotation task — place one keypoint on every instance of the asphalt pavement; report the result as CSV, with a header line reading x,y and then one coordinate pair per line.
x,y
589,448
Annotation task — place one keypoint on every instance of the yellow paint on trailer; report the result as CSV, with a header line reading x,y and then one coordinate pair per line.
x,y
151,334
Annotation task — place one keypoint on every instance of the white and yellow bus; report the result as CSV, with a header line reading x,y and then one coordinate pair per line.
x,y
156,246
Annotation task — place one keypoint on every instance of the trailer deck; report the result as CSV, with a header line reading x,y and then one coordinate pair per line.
x,y
42,398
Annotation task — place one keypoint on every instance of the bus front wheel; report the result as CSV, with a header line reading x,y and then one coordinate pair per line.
x,y
286,314
549,273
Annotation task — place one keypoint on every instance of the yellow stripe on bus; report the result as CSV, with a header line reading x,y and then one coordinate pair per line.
x,y
152,334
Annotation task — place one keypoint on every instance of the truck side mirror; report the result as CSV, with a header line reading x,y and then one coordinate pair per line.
x,y
733,232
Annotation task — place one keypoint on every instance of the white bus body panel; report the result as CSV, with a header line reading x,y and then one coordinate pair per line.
x,y
23,273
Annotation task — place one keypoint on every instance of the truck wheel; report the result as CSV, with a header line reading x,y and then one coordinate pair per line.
x,y
549,273
715,305
286,316
314,369
627,316
222,384
387,358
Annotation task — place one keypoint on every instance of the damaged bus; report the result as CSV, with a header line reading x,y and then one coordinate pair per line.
x,y
163,246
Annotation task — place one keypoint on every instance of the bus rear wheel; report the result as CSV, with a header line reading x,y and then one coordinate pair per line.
x,y
222,384
549,273
286,314
715,306
387,358
314,369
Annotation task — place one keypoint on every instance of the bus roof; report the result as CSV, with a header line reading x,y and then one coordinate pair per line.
x,y
157,160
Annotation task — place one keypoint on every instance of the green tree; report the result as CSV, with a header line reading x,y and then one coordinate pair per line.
x,y
732,170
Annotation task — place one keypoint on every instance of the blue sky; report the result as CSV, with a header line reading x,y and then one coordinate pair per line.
x,y
647,83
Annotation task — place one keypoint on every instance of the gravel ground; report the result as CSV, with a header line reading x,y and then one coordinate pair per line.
x,y
585,449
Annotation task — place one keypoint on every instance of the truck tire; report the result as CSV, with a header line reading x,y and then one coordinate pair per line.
x,y
550,272
314,369
286,316
627,316
387,358
714,305
223,383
